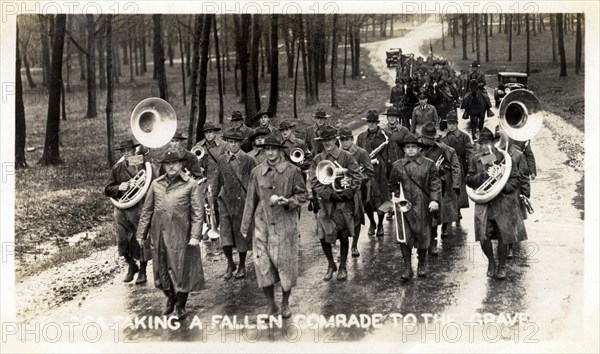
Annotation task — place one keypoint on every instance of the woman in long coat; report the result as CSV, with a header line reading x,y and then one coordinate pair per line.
x,y
173,216
501,217
422,188
276,191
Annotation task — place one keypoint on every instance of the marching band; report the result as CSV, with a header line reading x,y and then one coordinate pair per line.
x,y
248,186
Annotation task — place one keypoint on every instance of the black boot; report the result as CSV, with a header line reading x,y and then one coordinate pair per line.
x,y
228,251
241,273
170,306
444,233
407,274
270,294
380,217
488,250
133,268
141,278
285,304
502,251
180,301
422,267
330,269
329,254
433,245
343,273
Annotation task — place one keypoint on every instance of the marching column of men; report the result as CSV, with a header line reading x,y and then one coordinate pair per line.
x,y
257,197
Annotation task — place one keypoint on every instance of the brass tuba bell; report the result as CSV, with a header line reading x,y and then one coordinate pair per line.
x,y
328,172
153,122
520,115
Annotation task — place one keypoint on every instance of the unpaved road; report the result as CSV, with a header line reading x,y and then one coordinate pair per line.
x,y
544,289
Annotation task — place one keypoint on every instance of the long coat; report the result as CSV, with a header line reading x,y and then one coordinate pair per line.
x,y
422,116
418,219
461,143
370,141
503,209
212,151
397,134
334,215
275,247
525,148
173,213
449,173
246,132
309,134
232,197
259,154
363,195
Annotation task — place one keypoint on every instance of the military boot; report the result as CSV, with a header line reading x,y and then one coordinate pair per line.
x,y
132,269
141,278
422,267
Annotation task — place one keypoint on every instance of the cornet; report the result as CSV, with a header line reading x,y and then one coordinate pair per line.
x,y
297,155
198,151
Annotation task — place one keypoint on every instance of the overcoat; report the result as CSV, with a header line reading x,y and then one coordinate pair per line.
x,y
449,172
234,174
379,183
259,154
423,115
461,143
525,148
275,244
173,213
424,187
212,151
309,135
397,134
336,215
504,208
363,195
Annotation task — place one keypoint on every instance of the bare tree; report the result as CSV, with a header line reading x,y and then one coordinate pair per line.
x,y
510,32
487,52
346,47
561,45
528,68
198,24
91,67
43,22
553,30
159,57
253,96
464,21
51,154
20,125
274,89
334,42
182,59
110,155
476,19
204,43
443,38
220,74
578,44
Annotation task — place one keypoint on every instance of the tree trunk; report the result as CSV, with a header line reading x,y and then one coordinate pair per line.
x,y
487,53
533,24
204,42
253,98
110,156
334,61
219,73
129,45
518,24
542,24
182,60
464,37
91,67
194,83
510,32
289,52
136,49
454,30
490,23
63,105
159,57
101,64
578,44
43,21
116,62
28,72
68,59
346,48
20,125
170,51
144,68
391,25
82,66
499,23
310,99
528,67
553,31
356,65
321,52
188,48
296,84
274,89
51,155
473,22
443,38
242,37
561,45
303,52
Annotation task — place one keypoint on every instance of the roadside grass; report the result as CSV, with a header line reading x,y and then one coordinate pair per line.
x,y
564,96
55,202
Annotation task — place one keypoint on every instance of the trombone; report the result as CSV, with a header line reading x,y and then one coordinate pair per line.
x,y
404,206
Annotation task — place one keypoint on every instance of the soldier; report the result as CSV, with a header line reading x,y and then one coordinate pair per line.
x,y
375,138
461,143
237,122
264,119
525,147
335,219
449,171
439,76
475,107
310,133
256,139
422,188
276,192
290,141
234,169
500,218
422,114
191,166
363,195
126,220
477,75
397,94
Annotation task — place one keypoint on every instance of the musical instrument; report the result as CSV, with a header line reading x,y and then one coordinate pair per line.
x,y
198,151
520,114
329,172
404,206
439,162
520,117
373,154
211,221
297,155
153,123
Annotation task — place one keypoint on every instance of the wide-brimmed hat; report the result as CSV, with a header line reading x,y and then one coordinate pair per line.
x,y
210,126
485,136
320,114
179,136
258,132
272,140
411,139
372,117
233,134
475,64
429,131
172,155
326,133
236,115
421,95
391,111
125,144
265,113
345,132
451,117
286,124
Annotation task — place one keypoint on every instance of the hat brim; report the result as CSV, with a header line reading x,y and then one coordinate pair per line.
x,y
391,114
371,120
326,138
420,144
268,114
235,118
271,144
225,137
212,130
126,147
322,117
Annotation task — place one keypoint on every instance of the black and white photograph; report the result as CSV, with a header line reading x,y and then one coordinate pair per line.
x,y
299,176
